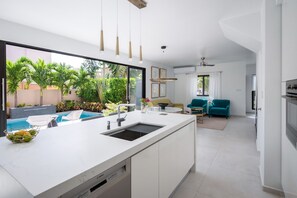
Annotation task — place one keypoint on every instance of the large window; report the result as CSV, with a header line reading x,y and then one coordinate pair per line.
x,y
39,81
203,85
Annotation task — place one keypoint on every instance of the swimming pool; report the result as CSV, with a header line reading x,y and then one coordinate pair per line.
x,y
17,124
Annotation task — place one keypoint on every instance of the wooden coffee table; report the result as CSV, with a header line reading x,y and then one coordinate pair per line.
x,y
198,111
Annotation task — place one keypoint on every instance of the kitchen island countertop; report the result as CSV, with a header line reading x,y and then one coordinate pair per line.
x,y
61,158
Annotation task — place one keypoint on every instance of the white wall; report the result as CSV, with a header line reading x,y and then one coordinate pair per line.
x,y
233,85
250,72
270,94
289,40
26,35
289,72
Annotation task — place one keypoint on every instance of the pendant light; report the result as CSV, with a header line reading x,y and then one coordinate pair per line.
x,y
101,33
117,39
130,44
140,39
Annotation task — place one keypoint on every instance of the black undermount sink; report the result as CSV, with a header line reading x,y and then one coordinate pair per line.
x,y
133,132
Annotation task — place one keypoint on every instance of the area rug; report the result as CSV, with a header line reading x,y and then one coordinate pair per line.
x,y
217,123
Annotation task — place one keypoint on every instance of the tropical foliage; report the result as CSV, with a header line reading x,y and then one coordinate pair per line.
x,y
63,77
96,83
112,108
69,105
16,73
41,75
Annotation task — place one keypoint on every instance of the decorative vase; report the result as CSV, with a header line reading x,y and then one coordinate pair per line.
x,y
143,108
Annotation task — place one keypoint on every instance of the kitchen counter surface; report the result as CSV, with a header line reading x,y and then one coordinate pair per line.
x,y
59,159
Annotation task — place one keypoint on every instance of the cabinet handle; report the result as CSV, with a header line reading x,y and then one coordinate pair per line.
x,y
3,94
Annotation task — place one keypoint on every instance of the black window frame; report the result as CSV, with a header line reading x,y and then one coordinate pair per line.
x,y
203,84
3,45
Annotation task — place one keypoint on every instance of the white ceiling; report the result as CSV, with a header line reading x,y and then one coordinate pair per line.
x,y
189,28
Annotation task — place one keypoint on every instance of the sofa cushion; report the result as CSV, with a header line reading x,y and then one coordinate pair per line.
x,y
220,103
198,102
161,100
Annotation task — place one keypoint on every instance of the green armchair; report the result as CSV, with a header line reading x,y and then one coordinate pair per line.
x,y
219,107
198,103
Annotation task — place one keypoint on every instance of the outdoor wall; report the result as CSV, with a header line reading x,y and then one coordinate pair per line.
x,y
233,85
32,97
30,36
250,72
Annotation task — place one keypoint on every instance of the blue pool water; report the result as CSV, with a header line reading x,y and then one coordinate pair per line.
x,y
17,124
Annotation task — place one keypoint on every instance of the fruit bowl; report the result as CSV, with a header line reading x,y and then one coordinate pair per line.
x,y
22,136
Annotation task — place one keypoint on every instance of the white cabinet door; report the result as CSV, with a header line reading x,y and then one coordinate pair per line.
x,y
144,173
167,166
185,150
176,157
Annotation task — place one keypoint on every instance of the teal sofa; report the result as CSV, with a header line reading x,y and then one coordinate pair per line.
x,y
198,103
219,107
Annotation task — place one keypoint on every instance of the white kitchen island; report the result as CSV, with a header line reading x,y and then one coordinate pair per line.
x,y
62,158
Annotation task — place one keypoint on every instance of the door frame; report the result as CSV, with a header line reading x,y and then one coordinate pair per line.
x,y
3,88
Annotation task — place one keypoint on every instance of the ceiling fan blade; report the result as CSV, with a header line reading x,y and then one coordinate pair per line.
x,y
210,65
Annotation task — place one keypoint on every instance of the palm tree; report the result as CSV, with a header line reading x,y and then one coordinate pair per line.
x,y
16,73
92,67
63,78
42,75
117,71
81,77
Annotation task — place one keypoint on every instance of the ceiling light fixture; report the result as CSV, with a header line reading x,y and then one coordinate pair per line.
x,y
130,44
166,79
160,80
139,3
117,39
101,33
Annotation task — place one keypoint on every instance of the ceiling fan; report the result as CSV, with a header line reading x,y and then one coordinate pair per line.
x,y
203,63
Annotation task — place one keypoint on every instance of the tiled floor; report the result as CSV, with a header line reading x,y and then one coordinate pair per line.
x,y
227,164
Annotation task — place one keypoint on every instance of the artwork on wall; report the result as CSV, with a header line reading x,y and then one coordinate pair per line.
x,y
155,72
163,73
155,90
158,89
162,90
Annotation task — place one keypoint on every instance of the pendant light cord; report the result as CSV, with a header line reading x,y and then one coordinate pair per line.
x,y
129,22
101,15
117,17
140,27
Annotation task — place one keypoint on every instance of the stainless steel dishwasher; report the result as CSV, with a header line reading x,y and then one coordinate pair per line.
x,y
112,183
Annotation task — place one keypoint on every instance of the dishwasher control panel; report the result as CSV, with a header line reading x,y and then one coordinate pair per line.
x,y
112,183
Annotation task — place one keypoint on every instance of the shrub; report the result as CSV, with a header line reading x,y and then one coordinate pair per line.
x,y
92,106
21,105
75,105
116,90
88,92
112,108
60,107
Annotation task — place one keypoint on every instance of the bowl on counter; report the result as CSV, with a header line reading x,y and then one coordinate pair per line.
x,y
22,136
163,105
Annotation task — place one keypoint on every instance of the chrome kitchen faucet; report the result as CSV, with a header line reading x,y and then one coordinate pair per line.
x,y
120,120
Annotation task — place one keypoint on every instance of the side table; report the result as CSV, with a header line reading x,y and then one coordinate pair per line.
x,y
198,111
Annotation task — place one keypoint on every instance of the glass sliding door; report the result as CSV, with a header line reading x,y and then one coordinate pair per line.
x,y
36,81
2,87
136,85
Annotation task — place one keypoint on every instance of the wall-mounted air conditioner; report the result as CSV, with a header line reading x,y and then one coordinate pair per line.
x,y
184,69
